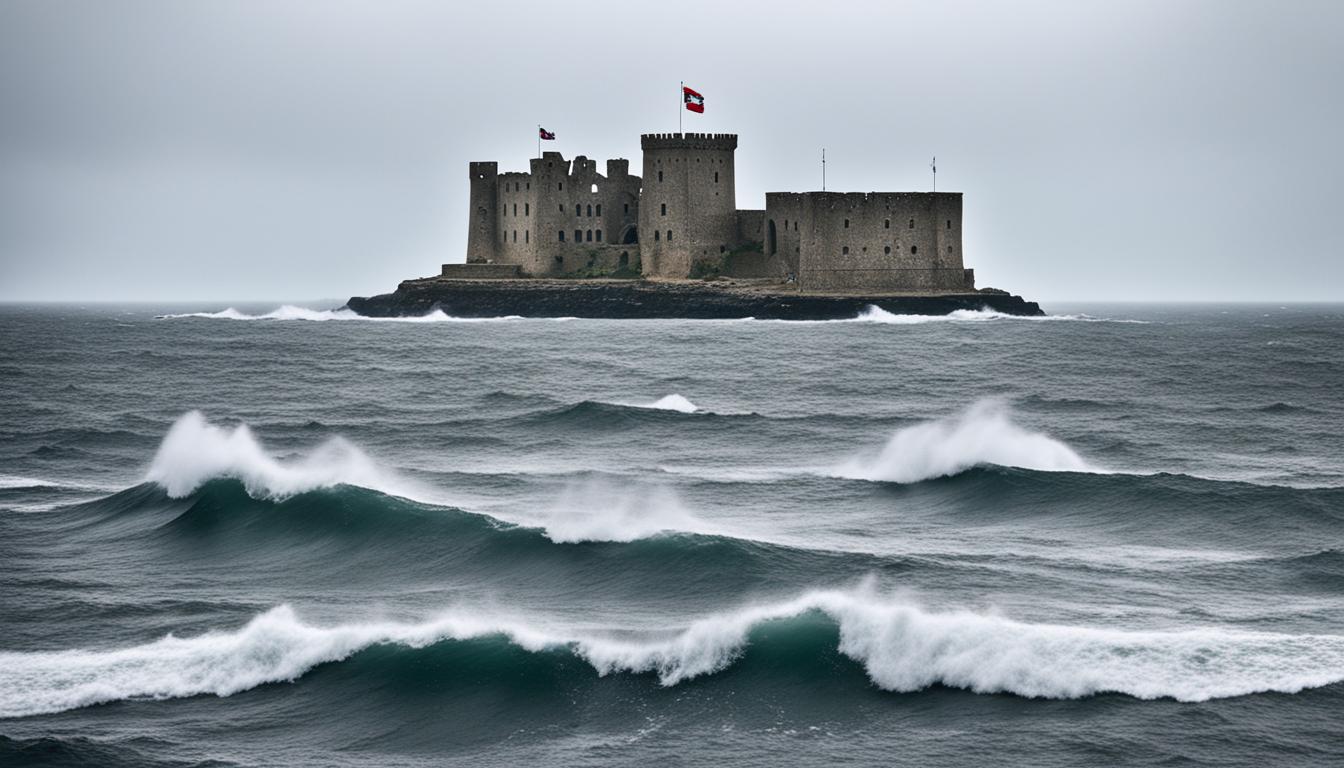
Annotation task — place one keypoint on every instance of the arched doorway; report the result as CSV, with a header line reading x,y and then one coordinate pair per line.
x,y
630,235
772,246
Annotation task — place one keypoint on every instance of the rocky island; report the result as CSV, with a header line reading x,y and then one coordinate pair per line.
x,y
563,240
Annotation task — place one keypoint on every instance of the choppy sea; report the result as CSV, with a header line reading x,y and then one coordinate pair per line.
x,y
257,536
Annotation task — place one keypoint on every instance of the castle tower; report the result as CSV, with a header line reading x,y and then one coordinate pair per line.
x,y
483,219
688,205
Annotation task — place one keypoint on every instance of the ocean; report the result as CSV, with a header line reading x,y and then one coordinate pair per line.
x,y
263,536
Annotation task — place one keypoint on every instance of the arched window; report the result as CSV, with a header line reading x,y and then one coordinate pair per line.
x,y
844,251
578,210
771,244
590,211
593,189
949,223
562,186
515,209
599,235
599,209
914,249
590,235
562,235
664,209
578,235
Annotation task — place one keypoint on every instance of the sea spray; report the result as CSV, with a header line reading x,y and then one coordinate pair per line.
x,y
597,509
195,451
902,646
983,434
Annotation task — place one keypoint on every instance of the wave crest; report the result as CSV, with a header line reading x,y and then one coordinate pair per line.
x,y
195,451
983,434
902,647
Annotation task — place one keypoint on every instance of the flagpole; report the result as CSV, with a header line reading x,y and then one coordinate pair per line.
x,y
823,169
538,141
681,98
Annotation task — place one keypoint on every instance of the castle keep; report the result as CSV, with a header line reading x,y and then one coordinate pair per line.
x,y
680,220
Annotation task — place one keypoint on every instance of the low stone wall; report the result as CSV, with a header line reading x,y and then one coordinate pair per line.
x,y
480,271
879,280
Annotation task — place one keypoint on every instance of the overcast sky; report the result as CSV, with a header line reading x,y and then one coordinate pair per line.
x,y
1170,149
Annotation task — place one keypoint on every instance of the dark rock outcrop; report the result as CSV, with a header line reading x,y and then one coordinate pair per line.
x,y
631,299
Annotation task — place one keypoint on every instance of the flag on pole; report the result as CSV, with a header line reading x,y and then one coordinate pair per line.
x,y
934,164
545,134
694,101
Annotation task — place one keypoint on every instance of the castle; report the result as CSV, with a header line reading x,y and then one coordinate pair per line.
x,y
680,220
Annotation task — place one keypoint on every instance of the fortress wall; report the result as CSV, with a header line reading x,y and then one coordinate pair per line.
x,y
888,241
606,257
517,214
479,271
483,216
533,209
782,228
750,226
689,190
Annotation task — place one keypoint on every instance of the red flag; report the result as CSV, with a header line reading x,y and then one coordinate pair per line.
x,y
546,135
694,101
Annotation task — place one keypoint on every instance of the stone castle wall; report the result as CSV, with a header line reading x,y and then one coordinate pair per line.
x,y
879,241
547,219
689,206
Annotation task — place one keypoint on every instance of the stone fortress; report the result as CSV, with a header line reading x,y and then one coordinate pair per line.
x,y
680,220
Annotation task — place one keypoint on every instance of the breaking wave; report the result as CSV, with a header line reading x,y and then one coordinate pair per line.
x,y
983,434
671,402
875,314
597,509
195,451
901,646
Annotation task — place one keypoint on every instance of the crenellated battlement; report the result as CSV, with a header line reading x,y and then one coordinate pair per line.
x,y
719,141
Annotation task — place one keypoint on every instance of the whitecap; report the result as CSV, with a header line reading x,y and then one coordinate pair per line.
x,y
901,645
983,434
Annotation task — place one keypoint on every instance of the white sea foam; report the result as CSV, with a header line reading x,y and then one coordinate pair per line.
x,y
875,314
983,434
597,509
902,646
290,312
673,402
195,451
15,481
